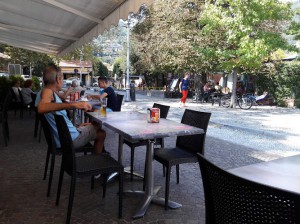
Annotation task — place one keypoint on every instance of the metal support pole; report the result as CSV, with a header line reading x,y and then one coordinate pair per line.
x,y
127,63
80,63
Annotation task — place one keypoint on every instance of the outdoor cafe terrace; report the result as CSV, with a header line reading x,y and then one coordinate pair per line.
x,y
23,190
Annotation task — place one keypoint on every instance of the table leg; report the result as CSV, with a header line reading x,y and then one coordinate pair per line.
x,y
150,191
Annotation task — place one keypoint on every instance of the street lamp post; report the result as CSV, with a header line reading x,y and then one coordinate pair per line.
x,y
127,63
80,64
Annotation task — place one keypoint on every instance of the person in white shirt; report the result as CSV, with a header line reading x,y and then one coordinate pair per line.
x,y
16,87
76,87
26,91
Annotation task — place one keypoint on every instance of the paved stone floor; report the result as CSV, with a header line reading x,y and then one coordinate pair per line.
x,y
23,192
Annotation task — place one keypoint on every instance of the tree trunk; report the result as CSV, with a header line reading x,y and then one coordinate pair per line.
x,y
233,91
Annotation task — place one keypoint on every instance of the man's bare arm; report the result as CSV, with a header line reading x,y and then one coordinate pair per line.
x,y
46,105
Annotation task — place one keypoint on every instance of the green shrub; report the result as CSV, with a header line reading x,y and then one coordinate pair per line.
x,y
13,77
282,81
36,84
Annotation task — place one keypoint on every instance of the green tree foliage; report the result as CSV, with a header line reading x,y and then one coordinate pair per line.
x,y
26,58
294,29
87,51
166,39
242,34
101,69
117,67
281,80
36,84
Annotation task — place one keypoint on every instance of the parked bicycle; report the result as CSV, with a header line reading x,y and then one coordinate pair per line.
x,y
245,101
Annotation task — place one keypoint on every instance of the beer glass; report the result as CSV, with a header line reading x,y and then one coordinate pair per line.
x,y
103,107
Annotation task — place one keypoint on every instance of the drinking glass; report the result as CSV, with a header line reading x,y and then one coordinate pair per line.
x,y
103,107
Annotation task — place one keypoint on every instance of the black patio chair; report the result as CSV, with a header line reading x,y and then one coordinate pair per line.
x,y
53,151
4,118
186,148
82,166
120,100
232,199
160,141
15,103
82,93
37,123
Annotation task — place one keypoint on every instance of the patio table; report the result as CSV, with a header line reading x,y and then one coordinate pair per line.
x,y
283,173
133,126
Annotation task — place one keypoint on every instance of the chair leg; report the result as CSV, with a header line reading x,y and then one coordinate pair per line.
x,y
36,126
46,164
7,130
121,176
104,185
61,176
51,173
71,199
177,174
40,133
4,134
131,163
92,182
21,111
167,187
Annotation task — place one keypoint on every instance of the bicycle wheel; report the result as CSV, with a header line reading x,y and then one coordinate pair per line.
x,y
225,101
244,102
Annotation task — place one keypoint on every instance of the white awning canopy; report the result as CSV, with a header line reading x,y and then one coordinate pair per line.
x,y
59,26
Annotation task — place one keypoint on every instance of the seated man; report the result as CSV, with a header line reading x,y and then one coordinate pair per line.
x,y
76,87
51,103
218,87
112,101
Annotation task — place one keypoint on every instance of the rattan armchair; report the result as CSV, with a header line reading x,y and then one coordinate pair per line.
x,y
232,199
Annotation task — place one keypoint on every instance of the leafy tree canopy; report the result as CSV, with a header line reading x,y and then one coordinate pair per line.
x,y
242,34
37,61
166,39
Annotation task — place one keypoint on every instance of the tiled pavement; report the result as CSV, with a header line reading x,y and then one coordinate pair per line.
x,y
23,192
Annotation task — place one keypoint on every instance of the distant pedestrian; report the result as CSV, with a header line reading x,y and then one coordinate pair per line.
x,y
184,88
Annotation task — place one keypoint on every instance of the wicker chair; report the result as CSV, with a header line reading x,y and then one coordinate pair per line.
x,y
186,148
82,166
160,141
232,199
3,117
